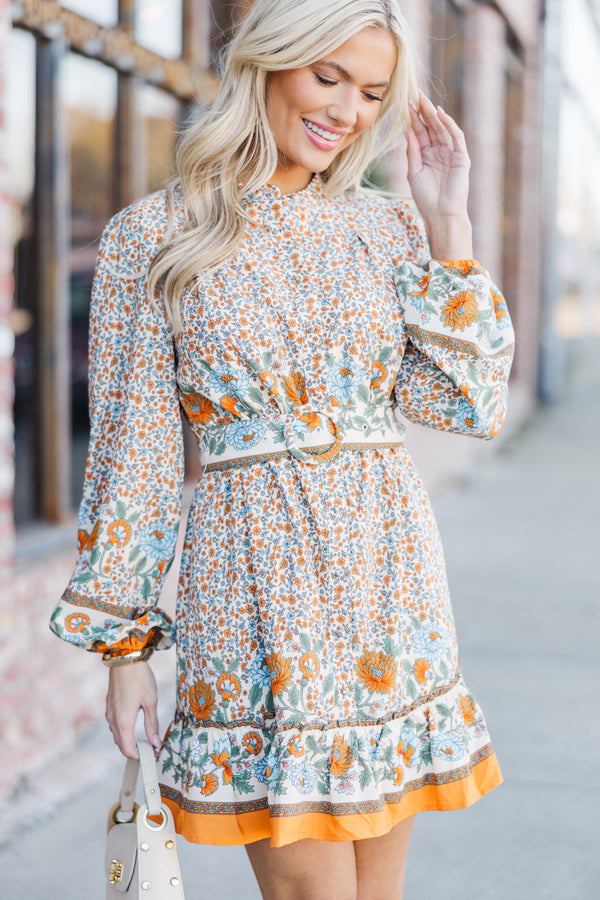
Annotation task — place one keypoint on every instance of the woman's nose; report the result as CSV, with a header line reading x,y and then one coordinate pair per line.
x,y
344,110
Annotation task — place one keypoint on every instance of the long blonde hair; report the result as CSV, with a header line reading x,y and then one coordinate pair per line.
x,y
233,136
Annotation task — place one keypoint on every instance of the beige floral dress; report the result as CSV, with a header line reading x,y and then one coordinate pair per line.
x,y
319,687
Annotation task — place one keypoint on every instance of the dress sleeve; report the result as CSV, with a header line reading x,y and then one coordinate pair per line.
x,y
459,344
131,506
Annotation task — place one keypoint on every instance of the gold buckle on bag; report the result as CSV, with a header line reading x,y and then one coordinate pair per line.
x,y
115,871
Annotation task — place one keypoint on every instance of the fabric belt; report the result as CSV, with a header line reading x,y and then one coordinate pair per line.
x,y
310,435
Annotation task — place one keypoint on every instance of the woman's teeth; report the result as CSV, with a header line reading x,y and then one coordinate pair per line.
x,y
328,135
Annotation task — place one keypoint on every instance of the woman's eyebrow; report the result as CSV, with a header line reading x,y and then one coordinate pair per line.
x,y
348,76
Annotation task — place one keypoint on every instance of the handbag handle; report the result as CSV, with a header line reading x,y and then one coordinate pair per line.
x,y
147,763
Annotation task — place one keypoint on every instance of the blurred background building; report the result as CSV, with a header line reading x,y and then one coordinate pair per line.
x,y
92,94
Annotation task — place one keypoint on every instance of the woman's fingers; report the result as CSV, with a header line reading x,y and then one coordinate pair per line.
x,y
436,128
456,134
419,129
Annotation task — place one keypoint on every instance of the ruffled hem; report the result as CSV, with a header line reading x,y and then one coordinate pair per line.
x,y
244,781
286,824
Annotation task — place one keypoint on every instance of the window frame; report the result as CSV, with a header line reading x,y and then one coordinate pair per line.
x,y
189,79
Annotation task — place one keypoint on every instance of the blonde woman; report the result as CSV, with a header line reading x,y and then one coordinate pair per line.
x,y
295,317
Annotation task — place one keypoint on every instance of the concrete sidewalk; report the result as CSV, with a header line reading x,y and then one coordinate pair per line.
x,y
521,535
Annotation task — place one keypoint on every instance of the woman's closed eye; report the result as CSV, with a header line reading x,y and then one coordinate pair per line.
x,y
328,82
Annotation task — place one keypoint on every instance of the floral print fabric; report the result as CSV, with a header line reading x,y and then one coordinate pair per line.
x,y
319,686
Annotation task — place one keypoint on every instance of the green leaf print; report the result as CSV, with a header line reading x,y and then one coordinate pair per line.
x,y
365,778
255,694
311,743
120,509
218,664
256,395
411,690
305,641
385,354
328,683
443,710
293,695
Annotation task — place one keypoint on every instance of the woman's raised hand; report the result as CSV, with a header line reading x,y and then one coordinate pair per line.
x,y
438,173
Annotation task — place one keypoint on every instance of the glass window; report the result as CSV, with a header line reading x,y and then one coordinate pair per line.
x,y
105,12
158,26
159,119
20,144
88,92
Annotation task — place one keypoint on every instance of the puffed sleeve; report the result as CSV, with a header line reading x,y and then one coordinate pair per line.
x,y
131,506
459,344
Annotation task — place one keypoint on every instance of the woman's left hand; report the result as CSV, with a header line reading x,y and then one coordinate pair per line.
x,y
438,173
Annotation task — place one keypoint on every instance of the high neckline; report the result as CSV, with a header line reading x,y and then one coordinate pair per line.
x,y
271,192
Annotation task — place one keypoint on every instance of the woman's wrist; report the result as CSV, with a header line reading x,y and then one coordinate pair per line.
x,y
124,659
451,237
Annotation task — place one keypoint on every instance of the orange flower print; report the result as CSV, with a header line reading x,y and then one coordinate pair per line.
x,y
378,371
295,389
198,409
201,700
119,533
407,752
86,541
268,381
423,285
499,305
222,759
312,419
77,622
208,785
467,708
252,743
309,666
294,747
229,404
421,670
377,671
460,311
341,757
464,267
280,671
398,775
228,686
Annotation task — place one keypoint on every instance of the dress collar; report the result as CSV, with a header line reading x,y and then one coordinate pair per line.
x,y
275,210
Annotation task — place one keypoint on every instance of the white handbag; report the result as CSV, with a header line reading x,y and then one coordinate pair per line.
x,y
141,856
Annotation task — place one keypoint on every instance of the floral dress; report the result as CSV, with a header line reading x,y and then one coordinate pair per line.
x,y
319,693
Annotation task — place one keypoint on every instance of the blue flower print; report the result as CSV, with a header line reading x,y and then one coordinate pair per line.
x,y
259,672
245,434
409,747
229,382
266,770
346,785
157,541
345,378
431,642
448,745
375,750
223,746
303,777
466,415
198,749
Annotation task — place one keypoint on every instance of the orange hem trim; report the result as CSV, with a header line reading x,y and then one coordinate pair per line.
x,y
245,828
